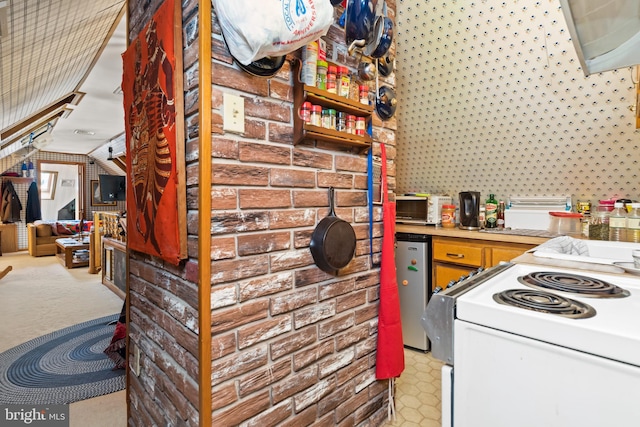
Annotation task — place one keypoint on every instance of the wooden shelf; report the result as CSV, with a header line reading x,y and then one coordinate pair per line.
x,y
304,131
19,179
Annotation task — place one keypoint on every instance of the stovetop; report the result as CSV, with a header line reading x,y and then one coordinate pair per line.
x,y
610,329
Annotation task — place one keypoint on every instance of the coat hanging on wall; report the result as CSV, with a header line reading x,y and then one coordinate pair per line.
x,y
10,206
34,212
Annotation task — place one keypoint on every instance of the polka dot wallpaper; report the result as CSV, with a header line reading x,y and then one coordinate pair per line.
x,y
492,98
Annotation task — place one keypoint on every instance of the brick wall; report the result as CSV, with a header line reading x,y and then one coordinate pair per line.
x,y
291,345
163,312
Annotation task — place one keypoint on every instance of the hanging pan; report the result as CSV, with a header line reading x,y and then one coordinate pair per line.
x,y
386,102
333,242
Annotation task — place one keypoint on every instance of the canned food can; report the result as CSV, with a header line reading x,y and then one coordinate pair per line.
x,y
583,207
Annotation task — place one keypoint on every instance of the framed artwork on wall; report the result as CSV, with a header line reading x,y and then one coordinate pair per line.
x,y
154,128
96,198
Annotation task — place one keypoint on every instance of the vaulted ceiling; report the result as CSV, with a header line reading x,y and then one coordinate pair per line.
x,y
60,66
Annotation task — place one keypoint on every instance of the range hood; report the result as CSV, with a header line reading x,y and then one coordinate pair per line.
x,y
605,33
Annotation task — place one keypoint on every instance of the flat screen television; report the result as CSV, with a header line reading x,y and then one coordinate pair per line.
x,y
112,188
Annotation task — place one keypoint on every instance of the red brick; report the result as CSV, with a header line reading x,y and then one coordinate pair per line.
x,y
292,178
262,331
223,148
259,287
335,325
223,396
352,300
352,336
279,90
311,276
292,342
264,153
235,269
235,79
260,108
333,289
333,179
272,416
252,244
367,346
223,296
366,313
309,198
291,301
294,384
372,412
313,394
312,159
232,318
223,174
304,418
281,133
351,164
264,199
310,355
285,261
263,378
334,399
255,129
351,405
292,218
235,222
313,314
222,345
223,248
224,198
237,364
243,410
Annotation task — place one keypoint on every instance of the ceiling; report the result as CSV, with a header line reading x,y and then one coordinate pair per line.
x,y
61,74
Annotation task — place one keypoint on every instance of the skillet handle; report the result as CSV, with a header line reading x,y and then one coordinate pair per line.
x,y
332,211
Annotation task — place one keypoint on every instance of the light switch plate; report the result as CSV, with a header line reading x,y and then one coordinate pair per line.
x,y
233,113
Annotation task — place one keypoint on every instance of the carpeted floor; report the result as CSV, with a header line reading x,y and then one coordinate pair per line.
x,y
40,296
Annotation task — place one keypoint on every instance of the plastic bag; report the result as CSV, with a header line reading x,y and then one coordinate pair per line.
x,y
254,30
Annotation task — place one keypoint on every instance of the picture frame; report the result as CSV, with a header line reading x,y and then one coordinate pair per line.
x,y
95,195
153,92
48,181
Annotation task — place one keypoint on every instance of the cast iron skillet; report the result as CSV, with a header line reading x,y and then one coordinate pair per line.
x,y
333,243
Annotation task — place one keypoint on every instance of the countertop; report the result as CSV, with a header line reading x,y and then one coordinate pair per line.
x,y
467,234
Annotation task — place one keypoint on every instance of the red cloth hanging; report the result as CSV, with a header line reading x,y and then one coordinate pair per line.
x,y
390,352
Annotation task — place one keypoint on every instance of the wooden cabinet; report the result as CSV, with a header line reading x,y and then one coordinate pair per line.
x,y
114,265
305,131
455,257
9,238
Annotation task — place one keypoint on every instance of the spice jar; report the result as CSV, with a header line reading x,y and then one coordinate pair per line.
x,y
343,81
331,79
341,123
599,223
448,217
364,94
316,115
321,75
329,118
351,123
305,112
361,126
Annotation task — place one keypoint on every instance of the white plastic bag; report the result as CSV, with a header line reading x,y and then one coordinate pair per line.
x,y
255,29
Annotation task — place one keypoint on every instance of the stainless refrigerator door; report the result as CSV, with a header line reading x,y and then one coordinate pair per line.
x,y
412,269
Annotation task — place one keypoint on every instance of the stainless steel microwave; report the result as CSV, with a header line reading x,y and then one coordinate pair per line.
x,y
421,210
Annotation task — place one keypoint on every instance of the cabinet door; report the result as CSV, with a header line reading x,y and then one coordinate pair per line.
x,y
497,253
458,251
444,273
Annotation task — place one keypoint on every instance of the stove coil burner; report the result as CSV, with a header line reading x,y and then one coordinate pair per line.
x,y
545,302
573,283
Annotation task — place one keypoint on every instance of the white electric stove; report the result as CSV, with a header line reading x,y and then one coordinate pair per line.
x,y
514,365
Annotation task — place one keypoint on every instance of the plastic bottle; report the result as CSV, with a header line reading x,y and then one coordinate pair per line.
x,y
309,63
343,81
500,215
24,170
633,224
482,216
305,112
618,223
491,207
331,79
448,216
315,117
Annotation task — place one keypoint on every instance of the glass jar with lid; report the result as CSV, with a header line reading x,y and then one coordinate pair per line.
x,y
599,223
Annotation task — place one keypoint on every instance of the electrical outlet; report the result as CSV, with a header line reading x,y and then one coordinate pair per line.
x,y
135,363
233,113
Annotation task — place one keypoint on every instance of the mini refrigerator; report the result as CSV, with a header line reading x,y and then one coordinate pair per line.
x,y
413,270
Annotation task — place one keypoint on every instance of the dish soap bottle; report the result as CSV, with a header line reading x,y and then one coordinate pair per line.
x,y
491,207
618,223
633,224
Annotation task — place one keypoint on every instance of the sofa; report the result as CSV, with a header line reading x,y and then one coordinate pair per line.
x,y
42,235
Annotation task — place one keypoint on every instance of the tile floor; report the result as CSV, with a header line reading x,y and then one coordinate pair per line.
x,y
418,392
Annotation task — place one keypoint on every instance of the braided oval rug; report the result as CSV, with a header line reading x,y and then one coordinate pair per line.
x,y
62,367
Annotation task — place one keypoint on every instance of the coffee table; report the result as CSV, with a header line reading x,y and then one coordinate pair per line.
x,y
65,249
